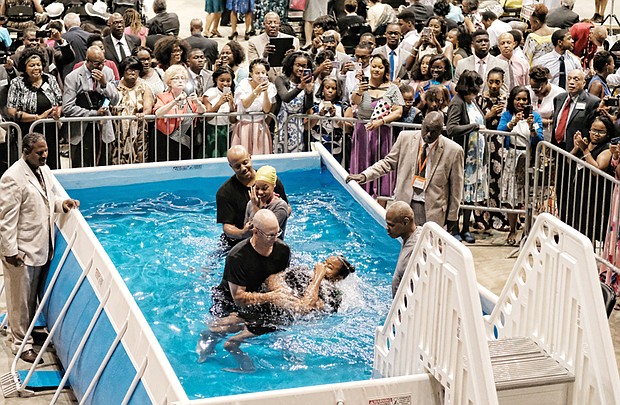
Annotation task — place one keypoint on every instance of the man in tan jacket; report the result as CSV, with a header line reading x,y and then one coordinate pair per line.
x,y
429,172
28,201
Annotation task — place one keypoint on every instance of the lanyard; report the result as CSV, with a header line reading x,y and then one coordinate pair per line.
x,y
422,165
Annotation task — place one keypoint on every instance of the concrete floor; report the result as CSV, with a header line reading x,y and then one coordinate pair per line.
x,y
491,258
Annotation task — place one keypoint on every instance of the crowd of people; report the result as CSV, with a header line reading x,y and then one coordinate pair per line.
x,y
363,70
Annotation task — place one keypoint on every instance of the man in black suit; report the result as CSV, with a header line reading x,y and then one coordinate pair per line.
x,y
197,40
168,21
77,38
573,112
118,45
563,16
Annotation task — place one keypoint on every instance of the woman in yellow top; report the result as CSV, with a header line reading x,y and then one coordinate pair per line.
x,y
538,42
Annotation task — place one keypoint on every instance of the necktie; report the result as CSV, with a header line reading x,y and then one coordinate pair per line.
x,y
422,162
121,51
40,178
392,69
481,70
199,84
562,82
511,74
560,131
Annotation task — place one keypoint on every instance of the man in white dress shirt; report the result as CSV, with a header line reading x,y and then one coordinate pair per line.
x,y
494,26
560,61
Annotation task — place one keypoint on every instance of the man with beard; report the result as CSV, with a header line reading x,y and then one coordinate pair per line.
x,y
232,197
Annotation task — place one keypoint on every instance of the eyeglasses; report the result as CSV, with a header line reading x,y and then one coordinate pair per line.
x,y
598,131
96,62
269,235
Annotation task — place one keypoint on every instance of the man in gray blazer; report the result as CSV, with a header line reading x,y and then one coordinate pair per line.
x,y
259,47
429,172
28,200
482,62
392,50
563,16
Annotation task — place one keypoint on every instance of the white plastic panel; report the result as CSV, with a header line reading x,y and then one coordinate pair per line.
x,y
435,324
553,297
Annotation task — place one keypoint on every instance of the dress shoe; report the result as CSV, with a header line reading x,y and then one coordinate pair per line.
x,y
457,237
467,237
29,356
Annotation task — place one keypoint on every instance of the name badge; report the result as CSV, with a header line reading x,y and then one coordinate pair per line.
x,y
45,86
536,126
51,67
4,82
419,182
580,106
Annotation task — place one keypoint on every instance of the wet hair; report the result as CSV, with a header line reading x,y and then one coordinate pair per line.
x,y
510,103
30,139
130,62
470,82
319,92
223,70
163,50
447,75
416,71
601,59
259,61
28,54
558,36
497,70
539,74
346,267
386,65
237,52
540,12
289,62
92,39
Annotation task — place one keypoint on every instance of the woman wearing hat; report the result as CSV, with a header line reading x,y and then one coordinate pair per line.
x,y
262,196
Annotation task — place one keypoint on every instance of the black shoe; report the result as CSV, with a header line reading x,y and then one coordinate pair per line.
x,y
466,236
234,36
29,356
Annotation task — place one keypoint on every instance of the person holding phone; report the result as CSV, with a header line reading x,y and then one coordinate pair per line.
x,y
611,249
520,120
433,40
295,91
36,95
254,95
220,99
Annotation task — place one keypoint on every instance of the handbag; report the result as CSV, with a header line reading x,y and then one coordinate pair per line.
x,y
299,5
381,110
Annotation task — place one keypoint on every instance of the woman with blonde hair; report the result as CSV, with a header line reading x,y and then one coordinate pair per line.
x,y
133,25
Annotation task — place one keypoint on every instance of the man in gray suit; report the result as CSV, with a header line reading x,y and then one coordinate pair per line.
x,y
259,46
28,200
86,89
77,38
482,62
429,172
393,52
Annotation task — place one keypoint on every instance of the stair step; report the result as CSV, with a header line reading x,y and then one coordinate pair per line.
x,y
521,363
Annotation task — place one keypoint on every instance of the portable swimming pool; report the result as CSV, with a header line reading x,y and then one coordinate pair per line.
x,y
166,215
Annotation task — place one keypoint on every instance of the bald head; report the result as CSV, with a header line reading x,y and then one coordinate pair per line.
x,y
241,162
506,44
432,126
598,34
399,220
265,218
236,152
195,25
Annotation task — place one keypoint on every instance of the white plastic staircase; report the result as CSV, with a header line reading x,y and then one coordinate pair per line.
x,y
546,341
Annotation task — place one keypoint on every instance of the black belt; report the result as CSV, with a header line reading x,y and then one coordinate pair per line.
x,y
518,147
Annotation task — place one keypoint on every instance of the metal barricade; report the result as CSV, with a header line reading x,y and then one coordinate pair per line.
x,y
10,144
582,196
111,140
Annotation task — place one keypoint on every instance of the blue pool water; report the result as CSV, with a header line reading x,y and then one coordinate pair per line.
x,y
162,238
